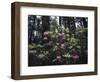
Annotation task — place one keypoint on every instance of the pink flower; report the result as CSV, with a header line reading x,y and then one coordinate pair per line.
x,y
75,56
63,33
59,34
73,50
45,38
46,33
58,57
62,46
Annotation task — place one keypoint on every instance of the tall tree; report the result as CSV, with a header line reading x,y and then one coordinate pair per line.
x,y
45,23
31,27
84,22
65,21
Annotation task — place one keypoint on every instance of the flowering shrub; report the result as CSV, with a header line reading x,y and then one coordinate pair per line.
x,y
59,46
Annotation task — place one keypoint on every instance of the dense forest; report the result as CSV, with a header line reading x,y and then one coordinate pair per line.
x,y
57,40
